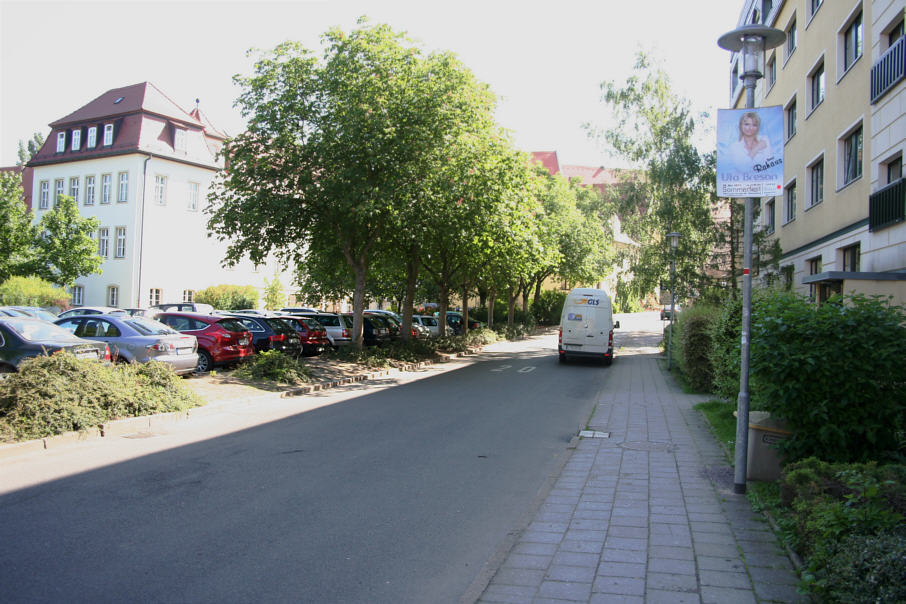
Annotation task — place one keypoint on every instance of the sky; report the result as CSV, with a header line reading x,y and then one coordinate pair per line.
x,y
544,60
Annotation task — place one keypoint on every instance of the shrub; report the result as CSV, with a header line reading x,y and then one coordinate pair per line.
x,y
481,337
32,291
695,346
725,352
833,373
863,569
60,393
548,308
274,365
228,297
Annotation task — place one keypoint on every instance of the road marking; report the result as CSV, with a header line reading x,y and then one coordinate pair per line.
x,y
526,369
502,368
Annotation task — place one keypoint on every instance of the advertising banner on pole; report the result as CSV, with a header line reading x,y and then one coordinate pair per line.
x,y
750,152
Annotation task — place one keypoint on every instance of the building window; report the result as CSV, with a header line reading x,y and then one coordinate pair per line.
x,y
852,42
766,7
791,119
814,267
815,5
852,156
771,70
104,242
179,139
769,216
108,135
154,296
113,296
192,203
78,295
816,86
44,195
895,33
120,242
852,257
105,187
58,191
894,169
123,191
76,139
160,189
734,78
789,202
816,182
188,295
74,188
92,141
61,142
89,190
791,38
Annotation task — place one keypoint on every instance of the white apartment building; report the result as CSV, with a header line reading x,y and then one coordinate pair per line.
x,y
143,167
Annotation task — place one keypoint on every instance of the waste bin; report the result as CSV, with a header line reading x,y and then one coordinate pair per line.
x,y
762,456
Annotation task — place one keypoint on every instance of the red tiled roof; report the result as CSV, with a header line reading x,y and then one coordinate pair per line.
x,y
590,175
129,99
548,159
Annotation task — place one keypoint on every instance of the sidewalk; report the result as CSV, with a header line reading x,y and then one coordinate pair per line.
x,y
645,512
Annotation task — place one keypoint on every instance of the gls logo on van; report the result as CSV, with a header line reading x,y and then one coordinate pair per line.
x,y
588,301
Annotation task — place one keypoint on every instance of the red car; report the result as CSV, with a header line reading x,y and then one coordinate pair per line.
x,y
311,333
221,340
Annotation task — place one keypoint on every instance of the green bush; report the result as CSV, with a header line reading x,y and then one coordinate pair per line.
x,y
228,297
500,314
864,569
834,373
60,393
275,366
695,346
32,291
725,352
548,308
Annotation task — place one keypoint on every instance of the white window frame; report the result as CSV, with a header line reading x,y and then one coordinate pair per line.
x,y
770,69
160,189
76,139
120,250
74,186
884,171
791,118
811,169
61,142
104,242
769,216
792,39
843,40
789,201
843,156
155,294
113,296
813,77
122,189
108,135
106,188
192,202
89,190
78,295
847,251
58,189
179,139
92,138
44,195
188,295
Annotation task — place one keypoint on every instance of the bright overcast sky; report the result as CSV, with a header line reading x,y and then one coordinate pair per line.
x,y
544,60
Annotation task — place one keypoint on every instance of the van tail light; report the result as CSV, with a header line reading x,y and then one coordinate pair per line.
x,y
560,336
610,340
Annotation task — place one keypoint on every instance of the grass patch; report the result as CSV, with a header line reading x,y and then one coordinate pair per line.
x,y
720,415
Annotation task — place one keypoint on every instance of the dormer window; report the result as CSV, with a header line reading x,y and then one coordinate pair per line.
x,y
108,135
61,142
179,139
92,137
76,139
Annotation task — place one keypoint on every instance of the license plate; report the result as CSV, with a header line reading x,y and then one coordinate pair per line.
x,y
571,346
86,354
243,341
183,351
294,340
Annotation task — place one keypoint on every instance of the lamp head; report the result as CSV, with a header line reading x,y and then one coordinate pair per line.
x,y
674,238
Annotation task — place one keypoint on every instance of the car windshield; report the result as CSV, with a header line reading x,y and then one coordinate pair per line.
x,y
147,327
231,325
327,320
281,326
429,321
38,330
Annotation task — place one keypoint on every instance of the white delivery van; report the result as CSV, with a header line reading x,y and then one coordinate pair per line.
x,y
586,326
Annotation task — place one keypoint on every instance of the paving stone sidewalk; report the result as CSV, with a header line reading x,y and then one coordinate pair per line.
x,y
647,514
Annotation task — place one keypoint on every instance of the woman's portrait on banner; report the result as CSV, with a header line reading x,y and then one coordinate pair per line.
x,y
749,162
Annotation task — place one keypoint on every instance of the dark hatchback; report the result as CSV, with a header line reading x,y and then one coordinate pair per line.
x,y
24,337
372,334
312,334
271,333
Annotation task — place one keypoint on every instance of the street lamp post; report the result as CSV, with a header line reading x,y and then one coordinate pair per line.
x,y
674,238
751,40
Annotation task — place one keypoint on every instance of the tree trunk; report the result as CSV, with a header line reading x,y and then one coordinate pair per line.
x,y
358,303
465,308
512,296
538,289
492,296
411,279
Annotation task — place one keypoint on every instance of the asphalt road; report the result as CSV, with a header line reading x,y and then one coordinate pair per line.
x,y
385,494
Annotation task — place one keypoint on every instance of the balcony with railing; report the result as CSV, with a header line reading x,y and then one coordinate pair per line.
x,y
887,206
889,70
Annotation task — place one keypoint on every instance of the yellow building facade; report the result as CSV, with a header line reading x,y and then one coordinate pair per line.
x,y
839,78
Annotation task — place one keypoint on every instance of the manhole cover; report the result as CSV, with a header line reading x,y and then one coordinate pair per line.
x,y
642,445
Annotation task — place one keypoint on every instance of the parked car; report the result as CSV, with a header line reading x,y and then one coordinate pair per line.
x,y
10,311
221,340
91,310
269,333
182,307
382,320
372,334
337,332
665,311
137,339
429,323
297,310
312,335
455,321
25,337
35,311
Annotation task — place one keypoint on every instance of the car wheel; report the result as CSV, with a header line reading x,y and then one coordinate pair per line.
x,y
205,362
608,361
5,370
562,358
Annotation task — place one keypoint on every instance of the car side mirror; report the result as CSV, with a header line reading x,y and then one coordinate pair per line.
x,y
616,325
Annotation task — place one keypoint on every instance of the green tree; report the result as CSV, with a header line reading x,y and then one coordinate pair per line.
x,y
28,149
655,129
336,149
17,235
274,297
32,291
64,248
228,297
